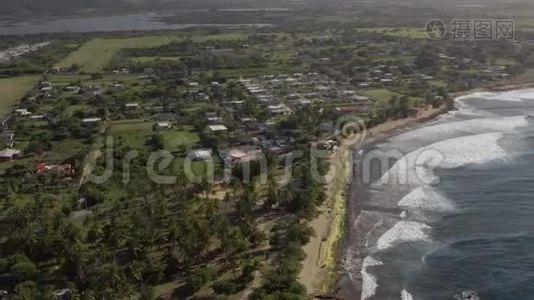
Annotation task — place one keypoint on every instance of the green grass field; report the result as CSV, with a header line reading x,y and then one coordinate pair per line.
x,y
132,134
174,139
94,55
407,32
64,80
381,94
148,59
12,89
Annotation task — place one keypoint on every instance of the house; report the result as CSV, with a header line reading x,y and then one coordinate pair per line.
x,y
132,105
72,88
200,154
327,145
240,155
193,84
63,294
9,154
361,98
94,91
365,84
91,120
265,98
157,109
165,116
386,81
303,102
119,85
217,128
64,170
162,126
23,112
279,109
7,136
292,96
55,69
249,120
215,120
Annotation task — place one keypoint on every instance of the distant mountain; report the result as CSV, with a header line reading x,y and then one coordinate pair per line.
x,y
65,7
14,8
54,7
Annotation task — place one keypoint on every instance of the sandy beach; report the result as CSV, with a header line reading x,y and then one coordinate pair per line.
x,y
320,268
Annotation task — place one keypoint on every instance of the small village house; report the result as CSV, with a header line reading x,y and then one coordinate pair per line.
x,y
217,128
91,120
200,154
7,136
22,112
160,126
9,154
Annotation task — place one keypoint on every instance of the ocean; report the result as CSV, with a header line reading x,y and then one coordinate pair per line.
x,y
447,206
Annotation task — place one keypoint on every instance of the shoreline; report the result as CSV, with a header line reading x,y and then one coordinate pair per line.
x,y
388,128
320,272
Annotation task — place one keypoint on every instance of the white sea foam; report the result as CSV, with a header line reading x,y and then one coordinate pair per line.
x,y
369,284
406,296
416,167
441,131
513,96
426,198
403,231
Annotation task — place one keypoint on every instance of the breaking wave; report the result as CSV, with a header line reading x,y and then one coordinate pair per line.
x,y
427,199
513,96
403,231
369,284
441,131
416,167
406,296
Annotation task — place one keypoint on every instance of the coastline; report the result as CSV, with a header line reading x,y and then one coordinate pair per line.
x,y
321,266
387,128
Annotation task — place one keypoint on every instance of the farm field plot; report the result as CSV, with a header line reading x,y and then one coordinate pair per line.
x,y
150,59
132,134
94,55
12,89
381,94
174,139
407,32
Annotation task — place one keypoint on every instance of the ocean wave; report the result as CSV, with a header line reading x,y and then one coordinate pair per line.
x,y
416,168
441,131
511,96
406,296
403,231
428,199
369,283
